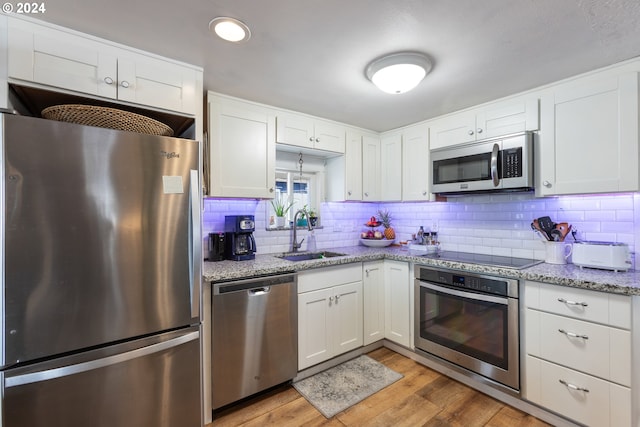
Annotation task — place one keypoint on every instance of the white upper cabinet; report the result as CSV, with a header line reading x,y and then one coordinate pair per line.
x,y
415,163
243,151
488,121
370,169
306,132
69,60
391,167
589,135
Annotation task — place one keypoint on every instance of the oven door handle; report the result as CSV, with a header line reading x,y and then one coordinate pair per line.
x,y
468,295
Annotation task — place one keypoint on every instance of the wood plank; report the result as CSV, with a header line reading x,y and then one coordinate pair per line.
x,y
422,397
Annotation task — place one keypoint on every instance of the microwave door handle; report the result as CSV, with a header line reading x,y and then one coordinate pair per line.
x,y
252,243
494,165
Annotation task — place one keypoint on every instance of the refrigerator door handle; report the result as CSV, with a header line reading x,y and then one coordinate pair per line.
x,y
64,371
196,249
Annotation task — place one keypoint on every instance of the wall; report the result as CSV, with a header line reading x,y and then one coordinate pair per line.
x,y
493,224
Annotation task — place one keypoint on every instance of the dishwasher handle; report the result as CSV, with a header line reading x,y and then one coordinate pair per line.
x,y
254,286
259,291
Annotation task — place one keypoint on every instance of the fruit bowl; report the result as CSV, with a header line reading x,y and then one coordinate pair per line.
x,y
376,243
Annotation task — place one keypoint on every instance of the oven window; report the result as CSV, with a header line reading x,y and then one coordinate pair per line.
x,y
461,169
473,327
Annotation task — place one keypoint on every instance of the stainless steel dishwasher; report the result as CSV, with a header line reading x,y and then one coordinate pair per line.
x,y
255,336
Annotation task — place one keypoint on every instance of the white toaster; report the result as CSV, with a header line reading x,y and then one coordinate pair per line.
x,y
605,255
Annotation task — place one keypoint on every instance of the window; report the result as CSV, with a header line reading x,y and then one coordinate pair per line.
x,y
291,188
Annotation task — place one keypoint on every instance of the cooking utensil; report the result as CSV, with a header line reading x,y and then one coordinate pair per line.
x,y
564,228
547,226
536,227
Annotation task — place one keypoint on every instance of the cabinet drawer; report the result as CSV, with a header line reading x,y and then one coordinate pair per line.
x,y
604,404
327,277
587,347
583,304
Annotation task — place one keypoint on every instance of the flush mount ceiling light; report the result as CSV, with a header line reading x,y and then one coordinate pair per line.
x,y
230,29
398,72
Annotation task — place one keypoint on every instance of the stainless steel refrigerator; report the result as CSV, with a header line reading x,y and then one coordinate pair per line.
x,y
101,273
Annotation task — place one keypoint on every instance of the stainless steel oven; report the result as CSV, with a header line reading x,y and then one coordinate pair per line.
x,y
470,320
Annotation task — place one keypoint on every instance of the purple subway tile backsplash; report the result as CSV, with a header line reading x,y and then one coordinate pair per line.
x,y
493,224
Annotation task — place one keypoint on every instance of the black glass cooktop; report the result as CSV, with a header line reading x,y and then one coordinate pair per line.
x,y
492,260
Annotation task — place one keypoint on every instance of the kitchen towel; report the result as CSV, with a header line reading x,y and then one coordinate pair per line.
x,y
334,390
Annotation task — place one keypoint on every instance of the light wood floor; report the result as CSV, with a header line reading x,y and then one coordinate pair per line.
x,y
422,398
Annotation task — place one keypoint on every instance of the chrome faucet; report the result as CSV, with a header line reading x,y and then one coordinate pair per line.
x,y
294,242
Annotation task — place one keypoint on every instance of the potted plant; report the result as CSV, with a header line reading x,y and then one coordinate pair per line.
x,y
280,207
313,217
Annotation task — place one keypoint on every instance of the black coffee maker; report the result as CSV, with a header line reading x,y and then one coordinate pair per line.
x,y
239,242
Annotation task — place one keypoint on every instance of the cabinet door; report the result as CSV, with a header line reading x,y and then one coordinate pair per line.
x,y
295,130
391,167
398,305
589,136
504,118
346,314
242,150
370,168
453,129
353,165
329,137
373,301
415,163
315,335
56,58
150,81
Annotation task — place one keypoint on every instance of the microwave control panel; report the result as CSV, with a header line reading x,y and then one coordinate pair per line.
x,y
512,163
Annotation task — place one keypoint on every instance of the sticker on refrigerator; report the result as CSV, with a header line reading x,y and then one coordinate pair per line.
x,y
172,185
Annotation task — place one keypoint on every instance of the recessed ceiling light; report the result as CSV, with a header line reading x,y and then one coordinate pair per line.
x,y
230,29
399,72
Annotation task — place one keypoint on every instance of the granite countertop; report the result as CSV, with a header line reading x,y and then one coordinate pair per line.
x,y
626,283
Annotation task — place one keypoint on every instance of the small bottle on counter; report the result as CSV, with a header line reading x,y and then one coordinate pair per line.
x,y
420,236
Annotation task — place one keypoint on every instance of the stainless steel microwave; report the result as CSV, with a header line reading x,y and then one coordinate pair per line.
x,y
497,164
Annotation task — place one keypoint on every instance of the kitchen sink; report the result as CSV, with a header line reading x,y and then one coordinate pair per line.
x,y
306,256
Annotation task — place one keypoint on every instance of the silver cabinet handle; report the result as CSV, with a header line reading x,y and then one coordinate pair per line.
x,y
330,299
108,80
337,298
470,132
573,387
424,193
569,302
317,139
494,165
349,193
124,84
546,184
573,335
367,272
366,194
271,190
310,139
479,130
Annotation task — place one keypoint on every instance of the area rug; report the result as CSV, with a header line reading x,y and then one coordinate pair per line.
x,y
334,390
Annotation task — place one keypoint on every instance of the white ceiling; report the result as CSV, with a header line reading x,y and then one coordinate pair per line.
x,y
310,55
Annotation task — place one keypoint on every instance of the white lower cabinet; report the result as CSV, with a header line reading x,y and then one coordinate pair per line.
x,y
578,353
373,290
398,313
329,313
583,398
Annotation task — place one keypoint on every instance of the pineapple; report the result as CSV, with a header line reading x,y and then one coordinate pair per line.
x,y
385,218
